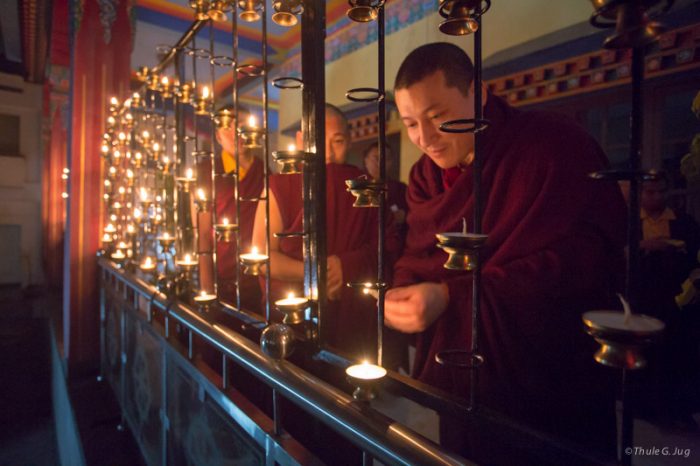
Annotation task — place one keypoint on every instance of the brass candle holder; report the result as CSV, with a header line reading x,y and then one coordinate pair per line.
x,y
203,102
186,266
251,133
293,308
290,160
224,230
249,10
201,9
462,249
118,256
203,204
204,300
364,11
622,337
166,241
136,101
459,16
252,262
148,266
365,377
185,182
367,192
185,93
223,119
114,106
286,12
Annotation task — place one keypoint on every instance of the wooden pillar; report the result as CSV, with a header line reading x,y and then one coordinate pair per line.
x,y
100,69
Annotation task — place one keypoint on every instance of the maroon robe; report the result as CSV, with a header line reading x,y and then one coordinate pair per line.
x,y
351,234
249,187
555,242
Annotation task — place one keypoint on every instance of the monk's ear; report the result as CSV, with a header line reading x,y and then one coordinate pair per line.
x,y
484,94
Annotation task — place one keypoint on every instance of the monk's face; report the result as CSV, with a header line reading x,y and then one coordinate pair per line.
x,y
428,103
337,140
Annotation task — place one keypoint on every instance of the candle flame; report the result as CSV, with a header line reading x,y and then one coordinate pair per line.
x,y
122,136
290,295
156,147
188,174
165,81
292,148
201,195
252,122
202,293
114,101
105,148
117,154
225,221
254,251
188,258
138,156
122,189
111,120
166,235
144,194
205,93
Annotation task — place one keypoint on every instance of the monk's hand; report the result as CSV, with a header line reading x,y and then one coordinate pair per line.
x,y
412,309
335,277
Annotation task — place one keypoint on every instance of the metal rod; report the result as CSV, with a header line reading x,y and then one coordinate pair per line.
x,y
313,33
266,156
176,49
381,215
212,159
237,154
476,283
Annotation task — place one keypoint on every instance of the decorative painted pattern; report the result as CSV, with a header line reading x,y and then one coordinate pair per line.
x,y
676,51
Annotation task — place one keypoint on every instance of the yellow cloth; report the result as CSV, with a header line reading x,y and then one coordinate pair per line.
x,y
229,163
657,227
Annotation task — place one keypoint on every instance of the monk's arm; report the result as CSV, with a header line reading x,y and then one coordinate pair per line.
x,y
282,267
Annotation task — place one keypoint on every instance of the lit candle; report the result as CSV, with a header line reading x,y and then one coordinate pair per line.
x,y
147,265
110,228
156,147
252,122
121,245
291,300
225,221
105,148
111,121
201,195
166,236
253,256
187,261
204,298
205,93
106,238
144,195
146,135
292,148
122,136
114,101
189,174
366,371
118,255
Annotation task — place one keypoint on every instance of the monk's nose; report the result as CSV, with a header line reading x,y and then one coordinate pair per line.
x,y
428,134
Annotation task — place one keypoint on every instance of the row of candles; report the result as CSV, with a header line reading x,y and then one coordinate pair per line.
x,y
121,240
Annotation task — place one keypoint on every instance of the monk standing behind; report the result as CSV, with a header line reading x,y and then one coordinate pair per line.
x,y
555,240
351,234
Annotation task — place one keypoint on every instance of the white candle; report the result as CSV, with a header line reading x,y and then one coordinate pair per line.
x,y
110,228
614,320
366,371
204,297
106,238
118,255
291,300
148,264
253,256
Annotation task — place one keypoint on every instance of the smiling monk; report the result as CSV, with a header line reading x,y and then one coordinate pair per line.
x,y
555,241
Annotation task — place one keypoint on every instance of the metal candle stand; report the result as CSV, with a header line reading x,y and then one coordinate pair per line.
x,y
635,29
463,17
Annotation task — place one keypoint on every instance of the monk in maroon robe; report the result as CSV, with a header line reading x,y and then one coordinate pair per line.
x,y
555,242
351,235
251,174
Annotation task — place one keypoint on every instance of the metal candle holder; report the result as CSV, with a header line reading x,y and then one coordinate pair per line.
x,y
365,377
460,16
252,262
225,230
201,9
185,182
367,192
463,249
223,119
621,341
364,11
290,160
286,12
202,202
204,300
251,136
166,241
250,10
185,93
293,309
203,102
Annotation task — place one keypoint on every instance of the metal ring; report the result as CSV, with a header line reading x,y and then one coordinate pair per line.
x,y
252,199
164,48
198,53
251,70
372,286
625,174
222,61
291,234
201,154
471,125
288,82
459,358
477,11
376,94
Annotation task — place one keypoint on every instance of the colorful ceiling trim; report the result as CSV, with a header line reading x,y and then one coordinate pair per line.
x,y
676,51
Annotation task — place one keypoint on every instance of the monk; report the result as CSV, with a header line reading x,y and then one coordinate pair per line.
x,y
351,245
249,188
555,243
